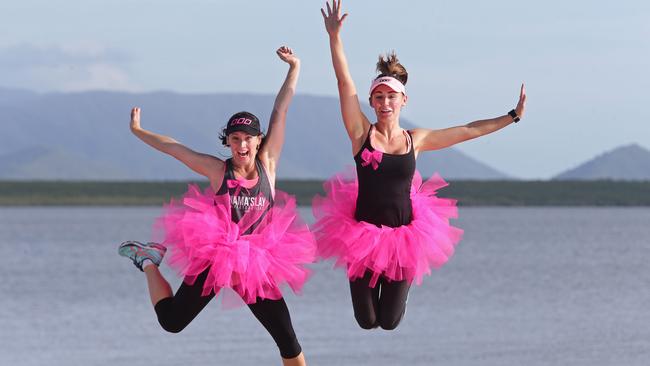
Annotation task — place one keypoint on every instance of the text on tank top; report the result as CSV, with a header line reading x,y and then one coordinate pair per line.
x,y
242,199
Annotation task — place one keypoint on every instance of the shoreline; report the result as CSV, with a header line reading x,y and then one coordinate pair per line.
x,y
467,193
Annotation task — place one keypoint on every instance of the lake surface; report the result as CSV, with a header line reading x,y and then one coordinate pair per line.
x,y
527,286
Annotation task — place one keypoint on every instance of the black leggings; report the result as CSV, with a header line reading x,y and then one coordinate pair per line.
x,y
175,313
383,306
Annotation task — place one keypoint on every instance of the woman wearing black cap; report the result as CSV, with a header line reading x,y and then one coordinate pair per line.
x,y
239,234
386,227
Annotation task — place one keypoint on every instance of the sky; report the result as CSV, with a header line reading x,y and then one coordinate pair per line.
x,y
584,63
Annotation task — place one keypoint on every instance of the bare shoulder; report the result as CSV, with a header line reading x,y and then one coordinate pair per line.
x,y
358,140
362,130
419,134
217,170
269,165
425,139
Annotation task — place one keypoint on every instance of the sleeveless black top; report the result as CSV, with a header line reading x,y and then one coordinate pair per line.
x,y
242,200
384,196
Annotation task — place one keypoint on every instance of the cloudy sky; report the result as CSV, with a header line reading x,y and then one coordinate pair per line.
x,y
585,63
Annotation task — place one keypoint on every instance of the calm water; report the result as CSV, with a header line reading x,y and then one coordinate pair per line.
x,y
527,286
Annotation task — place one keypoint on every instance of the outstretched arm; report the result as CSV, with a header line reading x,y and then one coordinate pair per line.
x,y
355,121
272,148
426,139
204,164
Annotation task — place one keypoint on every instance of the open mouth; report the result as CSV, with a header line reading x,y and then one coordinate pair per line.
x,y
243,154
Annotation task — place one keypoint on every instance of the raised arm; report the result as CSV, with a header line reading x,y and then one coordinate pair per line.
x,y
355,121
426,139
204,164
272,148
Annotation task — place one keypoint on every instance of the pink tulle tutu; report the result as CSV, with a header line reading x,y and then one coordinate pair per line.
x,y
199,234
406,252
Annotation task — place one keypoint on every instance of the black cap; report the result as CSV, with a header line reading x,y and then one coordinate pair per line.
x,y
244,122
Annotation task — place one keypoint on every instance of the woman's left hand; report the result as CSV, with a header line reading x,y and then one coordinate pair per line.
x,y
521,106
286,54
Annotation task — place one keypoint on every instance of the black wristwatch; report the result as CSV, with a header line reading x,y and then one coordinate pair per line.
x,y
514,116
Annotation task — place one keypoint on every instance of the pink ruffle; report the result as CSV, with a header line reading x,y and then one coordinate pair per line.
x,y
403,253
199,234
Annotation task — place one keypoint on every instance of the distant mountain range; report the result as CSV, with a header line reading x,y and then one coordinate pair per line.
x,y
85,136
630,162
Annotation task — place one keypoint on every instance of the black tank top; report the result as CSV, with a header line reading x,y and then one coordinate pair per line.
x,y
384,196
242,200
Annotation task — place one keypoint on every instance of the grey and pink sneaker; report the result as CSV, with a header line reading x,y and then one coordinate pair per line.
x,y
138,252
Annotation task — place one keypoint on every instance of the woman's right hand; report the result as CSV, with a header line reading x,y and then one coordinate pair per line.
x,y
333,19
204,164
135,119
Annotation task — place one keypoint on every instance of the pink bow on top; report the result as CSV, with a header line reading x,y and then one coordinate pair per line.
x,y
371,158
238,184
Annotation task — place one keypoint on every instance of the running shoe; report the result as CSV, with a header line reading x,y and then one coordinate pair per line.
x,y
139,252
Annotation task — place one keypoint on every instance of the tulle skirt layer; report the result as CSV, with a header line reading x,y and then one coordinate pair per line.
x,y
200,235
406,252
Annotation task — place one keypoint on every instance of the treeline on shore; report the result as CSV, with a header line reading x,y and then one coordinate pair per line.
x,y
468,193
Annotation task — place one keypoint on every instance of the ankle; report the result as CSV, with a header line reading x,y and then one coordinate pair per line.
x,y
147,263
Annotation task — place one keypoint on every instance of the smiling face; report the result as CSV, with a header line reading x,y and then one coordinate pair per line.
x,y
243,147
387,103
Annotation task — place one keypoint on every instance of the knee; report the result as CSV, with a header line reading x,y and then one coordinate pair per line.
x,y
390,321
171,326
366,321
289,348
286,340
166,318
389,325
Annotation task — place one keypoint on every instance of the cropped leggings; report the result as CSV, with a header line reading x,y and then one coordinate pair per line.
x,y
380,306
175,313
